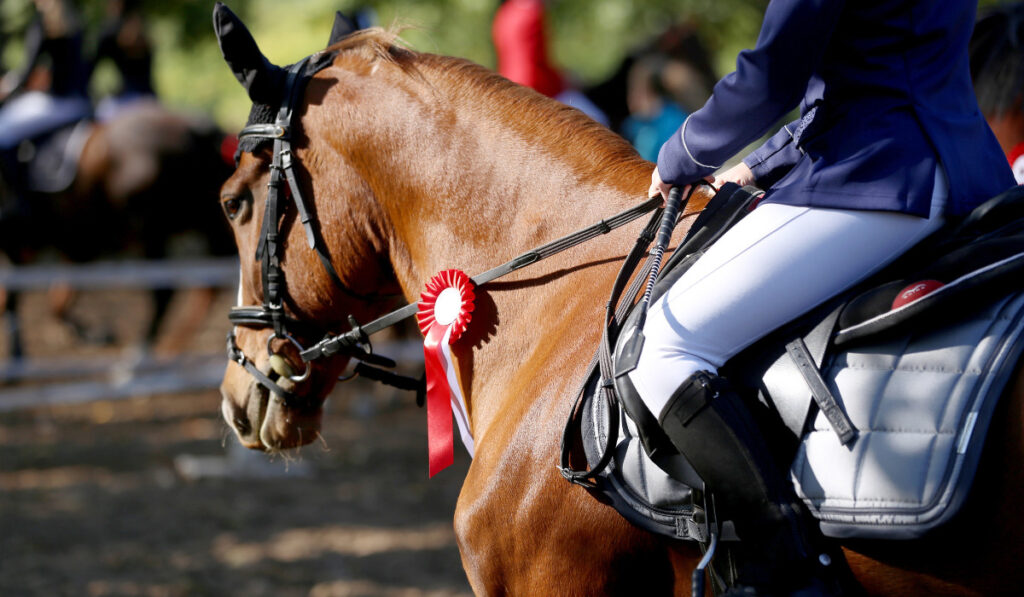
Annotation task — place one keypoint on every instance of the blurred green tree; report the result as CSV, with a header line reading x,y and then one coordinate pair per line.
x,y
588,38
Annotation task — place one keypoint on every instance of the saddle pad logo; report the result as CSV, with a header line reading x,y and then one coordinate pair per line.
x,y
915,291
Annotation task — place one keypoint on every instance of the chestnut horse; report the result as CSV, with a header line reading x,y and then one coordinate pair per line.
x,y
413,163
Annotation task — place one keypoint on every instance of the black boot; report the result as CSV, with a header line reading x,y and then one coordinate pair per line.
x,y
780,551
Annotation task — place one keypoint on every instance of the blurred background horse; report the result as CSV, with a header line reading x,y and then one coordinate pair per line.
x,y
132,179
145,184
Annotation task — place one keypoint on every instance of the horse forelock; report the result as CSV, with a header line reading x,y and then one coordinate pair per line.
x,y
376,43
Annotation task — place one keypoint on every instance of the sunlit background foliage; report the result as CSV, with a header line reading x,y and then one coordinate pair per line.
x,y
588,38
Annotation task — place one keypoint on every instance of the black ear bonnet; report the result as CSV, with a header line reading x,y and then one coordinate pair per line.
x,y
264,81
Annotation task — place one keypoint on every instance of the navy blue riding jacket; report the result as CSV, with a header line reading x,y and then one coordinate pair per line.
x,y
885,94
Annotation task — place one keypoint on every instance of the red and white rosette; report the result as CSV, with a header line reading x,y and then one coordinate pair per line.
x,y
445,309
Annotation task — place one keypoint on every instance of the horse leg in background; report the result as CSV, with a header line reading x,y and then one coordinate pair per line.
x,y
198,302
142,162
9,305
161,303
62,298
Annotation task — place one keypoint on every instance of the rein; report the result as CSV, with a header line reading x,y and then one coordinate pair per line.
x,y
358,335
356,342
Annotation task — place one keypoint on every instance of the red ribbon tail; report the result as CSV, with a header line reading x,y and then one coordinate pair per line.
x,y
440,436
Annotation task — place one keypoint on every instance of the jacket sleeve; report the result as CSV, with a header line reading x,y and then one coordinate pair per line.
x,y
773,159
768,82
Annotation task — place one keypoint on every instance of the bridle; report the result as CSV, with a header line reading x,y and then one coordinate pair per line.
x,y
271,312
355,343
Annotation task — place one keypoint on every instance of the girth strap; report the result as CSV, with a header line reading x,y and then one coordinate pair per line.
x,y
841,423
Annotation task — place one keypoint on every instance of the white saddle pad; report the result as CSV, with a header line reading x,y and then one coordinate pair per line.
x,y
922,404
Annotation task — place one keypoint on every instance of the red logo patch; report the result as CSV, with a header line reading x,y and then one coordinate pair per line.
x,y
915,291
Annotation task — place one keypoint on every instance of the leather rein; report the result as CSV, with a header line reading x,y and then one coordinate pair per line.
x,y
354,343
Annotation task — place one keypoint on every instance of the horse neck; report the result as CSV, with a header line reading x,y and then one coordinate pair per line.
x,y
478,171
469,181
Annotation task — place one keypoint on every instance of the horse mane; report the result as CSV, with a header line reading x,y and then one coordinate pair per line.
x,y
377,43
591,148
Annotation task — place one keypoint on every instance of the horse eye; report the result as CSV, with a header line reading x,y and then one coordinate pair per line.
x,y
232,206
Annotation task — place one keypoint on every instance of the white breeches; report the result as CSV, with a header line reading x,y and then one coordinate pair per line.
x,y
775,264
34,112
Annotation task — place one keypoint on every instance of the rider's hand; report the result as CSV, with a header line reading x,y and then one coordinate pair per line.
x,y
739,174
660,187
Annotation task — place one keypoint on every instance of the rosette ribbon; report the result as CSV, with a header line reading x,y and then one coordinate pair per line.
x,y
445,309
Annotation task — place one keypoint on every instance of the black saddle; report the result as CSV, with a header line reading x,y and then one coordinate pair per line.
x,y
46,163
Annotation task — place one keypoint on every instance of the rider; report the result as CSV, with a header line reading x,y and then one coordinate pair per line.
x,y
889,145
123,40
56,33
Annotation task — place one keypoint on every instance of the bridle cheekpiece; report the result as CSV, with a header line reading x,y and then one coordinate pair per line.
x,y
268,251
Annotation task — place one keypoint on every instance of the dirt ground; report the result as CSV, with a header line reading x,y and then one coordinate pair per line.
x,y
151,496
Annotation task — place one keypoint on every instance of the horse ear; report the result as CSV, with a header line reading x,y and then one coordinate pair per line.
x,y
343,27
263,80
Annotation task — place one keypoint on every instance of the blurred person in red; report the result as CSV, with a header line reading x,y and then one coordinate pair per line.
x,y
520,42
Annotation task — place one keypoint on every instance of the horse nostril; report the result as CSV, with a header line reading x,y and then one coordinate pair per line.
x,y
242,425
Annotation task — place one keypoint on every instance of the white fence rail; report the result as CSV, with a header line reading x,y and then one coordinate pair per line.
x,y
30,383
174,273
118,380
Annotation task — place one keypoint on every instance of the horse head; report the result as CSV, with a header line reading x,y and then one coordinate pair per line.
x,y
265,401
407,164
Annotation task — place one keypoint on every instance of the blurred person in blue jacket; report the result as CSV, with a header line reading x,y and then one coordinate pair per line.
x,y
40,100
653,116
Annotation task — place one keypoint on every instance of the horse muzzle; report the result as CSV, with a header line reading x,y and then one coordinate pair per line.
x,y
263,420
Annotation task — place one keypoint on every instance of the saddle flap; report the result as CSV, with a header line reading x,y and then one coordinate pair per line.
x,y
953,284
637,487
922,403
